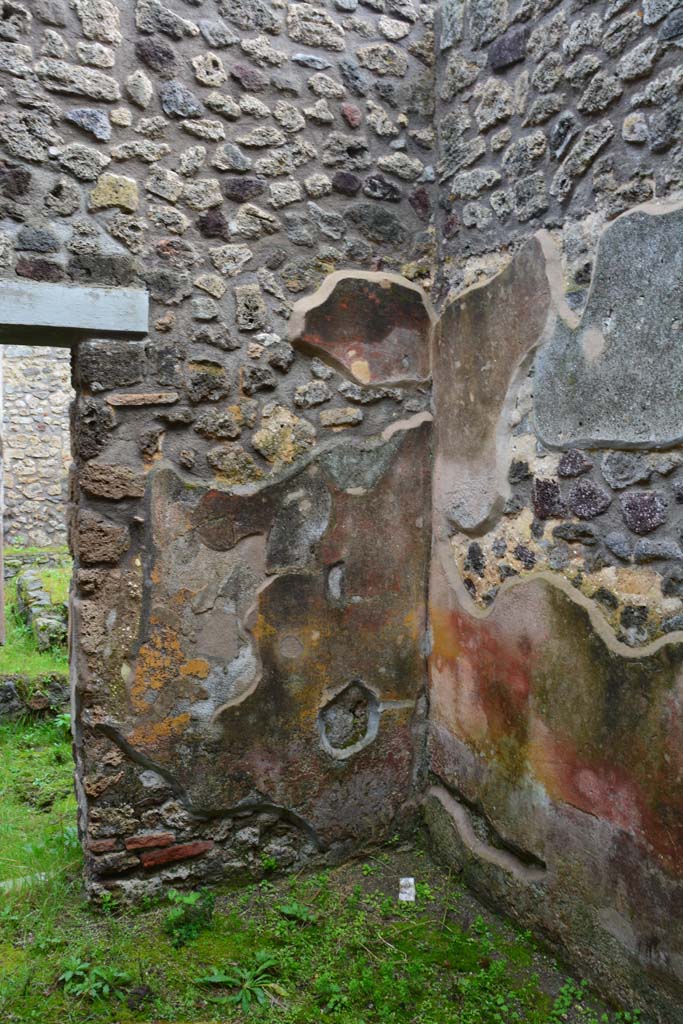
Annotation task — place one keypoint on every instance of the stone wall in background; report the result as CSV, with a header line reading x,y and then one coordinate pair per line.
x,y
36,444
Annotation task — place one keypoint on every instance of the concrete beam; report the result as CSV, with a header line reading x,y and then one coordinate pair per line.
x,y
61,314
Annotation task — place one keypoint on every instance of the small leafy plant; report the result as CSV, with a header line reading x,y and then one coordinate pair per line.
x,y
108,904
63,723
292,910
190,914
330,994
424,891
268,862
252,985
82,980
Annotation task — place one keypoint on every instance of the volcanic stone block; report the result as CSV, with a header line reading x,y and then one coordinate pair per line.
x,y
208,381
617,379
110,364
371,327
510,48
621,469
573,463
98,540
587,500
546,499
112,482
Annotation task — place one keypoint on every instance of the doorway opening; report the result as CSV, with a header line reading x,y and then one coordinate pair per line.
x,y
37,802
40,326
35,397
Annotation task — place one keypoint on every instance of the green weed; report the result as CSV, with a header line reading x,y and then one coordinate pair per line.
x,y
83,980
268,863
37,805
19,653
190,914
252,984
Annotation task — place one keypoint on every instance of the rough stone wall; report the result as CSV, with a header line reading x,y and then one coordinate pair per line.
x,y
36,444
551,113
555,594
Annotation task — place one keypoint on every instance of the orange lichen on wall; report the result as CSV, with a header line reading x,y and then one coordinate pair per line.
x,y
159,662
197,668
152,733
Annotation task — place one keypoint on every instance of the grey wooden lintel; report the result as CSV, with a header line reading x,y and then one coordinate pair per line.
x,y
35,313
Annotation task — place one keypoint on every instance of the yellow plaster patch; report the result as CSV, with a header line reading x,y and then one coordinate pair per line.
x,y
360,368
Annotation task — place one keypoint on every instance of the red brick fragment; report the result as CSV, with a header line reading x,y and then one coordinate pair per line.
x,y
152,858
149,839
102,845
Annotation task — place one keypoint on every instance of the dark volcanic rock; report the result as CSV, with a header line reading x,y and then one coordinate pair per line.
x,y
346,183
36,240
257,378
378,187
656,551
249,78
573,463
421,203
177,101
242,189
672,27
156,54
476,560
353,78
208,382
619,544
39,270
525,556
510,48
378,224
643,511
213,224
576,533
518,472
621,469
14,181
586,500
546,499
